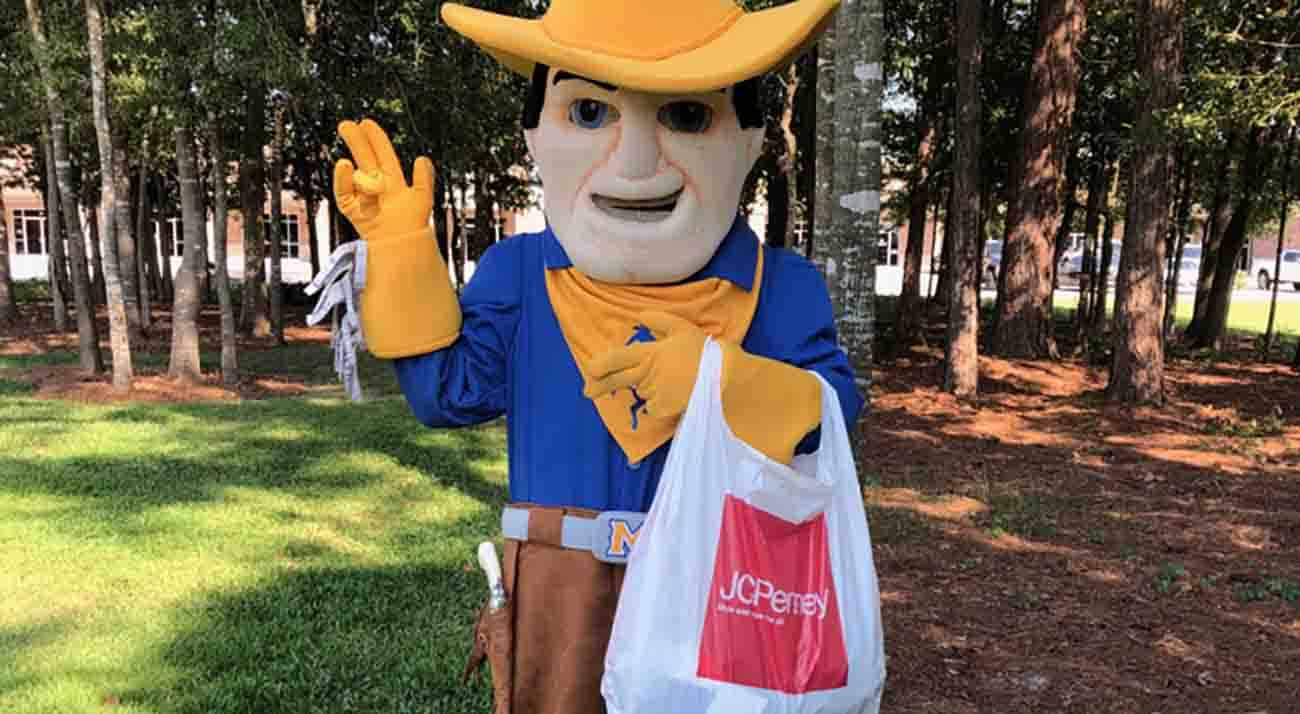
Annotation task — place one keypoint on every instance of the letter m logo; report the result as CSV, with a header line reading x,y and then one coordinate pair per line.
x,y
615,535
622,536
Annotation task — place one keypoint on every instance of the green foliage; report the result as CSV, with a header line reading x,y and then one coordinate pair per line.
x,y
31,291
1028,516
1255,591
1169,575
1253,428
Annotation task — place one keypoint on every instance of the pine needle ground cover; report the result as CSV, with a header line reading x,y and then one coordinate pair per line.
x,y
288,555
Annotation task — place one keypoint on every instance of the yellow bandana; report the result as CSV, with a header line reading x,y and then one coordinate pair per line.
x,y
596,317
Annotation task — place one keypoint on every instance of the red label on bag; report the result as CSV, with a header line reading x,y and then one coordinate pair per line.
x,y
772,620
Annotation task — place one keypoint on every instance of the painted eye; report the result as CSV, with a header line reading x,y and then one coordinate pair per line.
x,y
686,117
592,113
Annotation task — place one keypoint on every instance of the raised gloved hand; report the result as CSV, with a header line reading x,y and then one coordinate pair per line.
x,y
769,405
408,306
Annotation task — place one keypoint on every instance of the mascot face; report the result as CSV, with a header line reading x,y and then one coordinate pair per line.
x,y
640,188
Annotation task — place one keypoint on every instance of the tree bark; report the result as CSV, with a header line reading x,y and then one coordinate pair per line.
x,y
99,293
1215,318
1281,240
1088,266
276,287
8,304
1061,242
1220,214
1024,325
57,270
118,327
824,196
1100,321
1179,232
961,366
125,233
229,349
253,318
908,313
1137,375
142,237
149,243
944,286
184,364
848,250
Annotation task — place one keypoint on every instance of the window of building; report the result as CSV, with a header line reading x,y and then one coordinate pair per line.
x,y
29,231
887,248
169,238
290,242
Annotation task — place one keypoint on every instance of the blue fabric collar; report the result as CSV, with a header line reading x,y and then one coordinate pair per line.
x,y
734,261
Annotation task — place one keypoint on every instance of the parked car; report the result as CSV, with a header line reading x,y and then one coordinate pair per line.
x,y
1290,272
992,263
1070,270
1190,268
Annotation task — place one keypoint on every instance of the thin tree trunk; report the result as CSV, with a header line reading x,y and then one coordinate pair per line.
x,y
788,163
313,210
253,318
142,238
944,286
1024,325
1088,266
8,304
118,328
1061,242
125,233
87,340
1100,321
908,313
277,226
1281,241
54,241
229,349
184,363
824,196
848,251
961,366
1254,167
1220,214
98,290
1182,212
1137,375
149,244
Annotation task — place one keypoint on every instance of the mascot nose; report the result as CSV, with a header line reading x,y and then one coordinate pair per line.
x,y
637,153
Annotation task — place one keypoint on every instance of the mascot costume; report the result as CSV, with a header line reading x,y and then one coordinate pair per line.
x,y
643,121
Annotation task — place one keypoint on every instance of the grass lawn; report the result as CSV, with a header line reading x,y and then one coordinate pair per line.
x,y
1243,315
289,555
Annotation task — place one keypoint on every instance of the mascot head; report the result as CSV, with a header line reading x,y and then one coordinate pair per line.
x,y
643,119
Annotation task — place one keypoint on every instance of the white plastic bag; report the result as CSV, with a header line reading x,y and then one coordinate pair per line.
x,y
751,589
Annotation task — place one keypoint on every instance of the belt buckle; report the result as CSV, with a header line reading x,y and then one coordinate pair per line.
x,y
615,535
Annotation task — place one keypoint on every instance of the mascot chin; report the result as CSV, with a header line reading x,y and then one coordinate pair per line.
x,y
643,121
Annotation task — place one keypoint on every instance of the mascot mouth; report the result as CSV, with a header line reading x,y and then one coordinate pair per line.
x,y
649,210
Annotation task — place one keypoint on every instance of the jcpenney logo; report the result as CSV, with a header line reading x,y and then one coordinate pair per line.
x,y
757,592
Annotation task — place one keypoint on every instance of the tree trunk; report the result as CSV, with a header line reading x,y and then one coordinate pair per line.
x,y
118,327
229,351
848,250
1179,231
961,364
1137,375
788,163
149,244
54,241
824,196
1281,241
99,293
1254,167
313,209
142,238
1106,253
125,233
1024,325
184,364
276,287
253,317
944,286
908,313
778,209
484,233
8,303
1220,214
1061,242
1088,266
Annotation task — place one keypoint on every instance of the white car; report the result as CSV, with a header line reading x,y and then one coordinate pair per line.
x,y
1290,272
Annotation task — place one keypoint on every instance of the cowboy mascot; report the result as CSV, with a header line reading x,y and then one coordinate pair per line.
x,y
643,121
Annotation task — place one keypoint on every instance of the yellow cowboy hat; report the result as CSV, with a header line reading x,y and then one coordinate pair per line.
x,y
659,46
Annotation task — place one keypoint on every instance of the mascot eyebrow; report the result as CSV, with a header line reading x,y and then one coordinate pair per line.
x,y
744,96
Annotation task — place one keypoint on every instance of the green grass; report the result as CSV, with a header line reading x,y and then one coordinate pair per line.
x,y
292,555
1243,315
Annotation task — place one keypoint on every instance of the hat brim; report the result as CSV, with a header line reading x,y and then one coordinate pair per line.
x,y
755,43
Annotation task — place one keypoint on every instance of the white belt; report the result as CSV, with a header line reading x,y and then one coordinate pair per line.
x,y
609,536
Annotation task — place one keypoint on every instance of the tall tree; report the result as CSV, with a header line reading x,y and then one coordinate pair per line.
x,y
87,339
184,364
229,350
1178,239
276,286
1287,182
1216,223
118,328
961,368
57,268
848,252
1091,225
824,195
1137,373
1024,323
252,195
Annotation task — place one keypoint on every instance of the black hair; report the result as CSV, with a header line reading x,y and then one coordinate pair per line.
x,y
744,97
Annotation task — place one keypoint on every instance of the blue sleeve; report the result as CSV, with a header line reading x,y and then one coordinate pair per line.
x,y
804,332
467,383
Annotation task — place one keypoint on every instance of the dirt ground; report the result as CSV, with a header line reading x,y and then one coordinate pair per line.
x,y
1039,550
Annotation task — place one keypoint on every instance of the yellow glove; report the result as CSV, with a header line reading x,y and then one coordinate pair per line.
x,y
408,306
769,405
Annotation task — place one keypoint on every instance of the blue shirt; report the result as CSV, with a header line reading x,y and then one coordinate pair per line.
x,y
512,359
